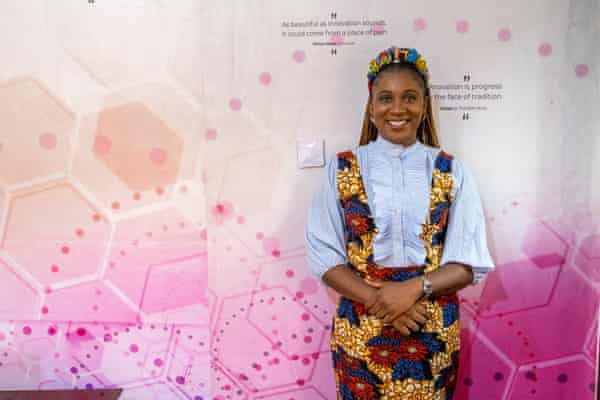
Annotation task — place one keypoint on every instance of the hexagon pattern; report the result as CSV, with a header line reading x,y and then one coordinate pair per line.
x,y
55,234
36,132
119,145
136,146
158,263
151,208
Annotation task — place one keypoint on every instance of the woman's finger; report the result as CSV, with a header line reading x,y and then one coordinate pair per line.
x,y
371,300
400,327
390,317
375,284
415,316
374,309
421,309
412,325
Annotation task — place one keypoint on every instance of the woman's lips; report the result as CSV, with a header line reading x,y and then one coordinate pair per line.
x,y
398,124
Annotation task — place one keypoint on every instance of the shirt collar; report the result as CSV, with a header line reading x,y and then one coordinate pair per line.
x,y
394,149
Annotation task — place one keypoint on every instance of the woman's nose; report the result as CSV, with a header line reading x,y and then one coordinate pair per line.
x,y
398,106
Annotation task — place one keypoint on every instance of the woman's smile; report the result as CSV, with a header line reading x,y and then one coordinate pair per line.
x,y
398,123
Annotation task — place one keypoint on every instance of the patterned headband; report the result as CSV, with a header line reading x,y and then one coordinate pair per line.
x,y
395,55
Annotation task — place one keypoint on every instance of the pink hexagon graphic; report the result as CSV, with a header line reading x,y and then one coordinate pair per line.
x,y
161,245
544,247
189,368
54,234
269,242
288,324
91,383
35,350
178,284
229,257
84,348
20,299
191,340
137,146
323,377
13,371
39,345
293,274
263,365
130,352
35,341
223,386
592,345
40,127
508,288
587,258
536,334
561,380
93,301
148,344
484,373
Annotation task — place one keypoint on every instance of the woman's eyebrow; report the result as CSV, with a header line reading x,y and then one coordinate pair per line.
x,y
386,91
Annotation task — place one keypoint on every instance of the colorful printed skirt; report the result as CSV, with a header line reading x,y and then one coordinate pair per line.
x,y
374,361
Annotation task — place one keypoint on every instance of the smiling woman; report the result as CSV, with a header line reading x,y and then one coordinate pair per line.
x,y
397,229
397,105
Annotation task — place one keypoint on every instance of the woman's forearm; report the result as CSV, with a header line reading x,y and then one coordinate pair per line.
x,y
450,278
348,284
446,280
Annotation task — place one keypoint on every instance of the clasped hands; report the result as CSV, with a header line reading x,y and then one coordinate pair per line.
x,y
398,304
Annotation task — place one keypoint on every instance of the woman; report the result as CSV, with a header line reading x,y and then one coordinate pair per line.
x,y
397,229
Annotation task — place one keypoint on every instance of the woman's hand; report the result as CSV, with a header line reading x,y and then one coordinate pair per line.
x,y
412,320
393,298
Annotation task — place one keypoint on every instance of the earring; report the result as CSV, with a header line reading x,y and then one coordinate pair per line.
x,y
372,120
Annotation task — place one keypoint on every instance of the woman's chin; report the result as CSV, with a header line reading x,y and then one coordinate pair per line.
x,y
400,136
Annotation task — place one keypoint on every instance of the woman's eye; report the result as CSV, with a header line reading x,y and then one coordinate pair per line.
x,y
385,99
411,98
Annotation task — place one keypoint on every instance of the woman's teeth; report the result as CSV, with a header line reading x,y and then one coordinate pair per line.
x,y
398,124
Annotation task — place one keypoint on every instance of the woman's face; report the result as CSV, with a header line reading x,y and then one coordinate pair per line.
x,y
397,106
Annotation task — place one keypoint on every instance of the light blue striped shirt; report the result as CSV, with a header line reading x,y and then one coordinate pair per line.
x,y
398,182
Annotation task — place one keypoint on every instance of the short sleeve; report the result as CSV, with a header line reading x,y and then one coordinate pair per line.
x,y
466,241
324,230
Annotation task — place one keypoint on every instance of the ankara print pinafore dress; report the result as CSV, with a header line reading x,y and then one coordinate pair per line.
x,y
372,360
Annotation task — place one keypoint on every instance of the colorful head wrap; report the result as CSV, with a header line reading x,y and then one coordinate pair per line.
x,y
395,55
